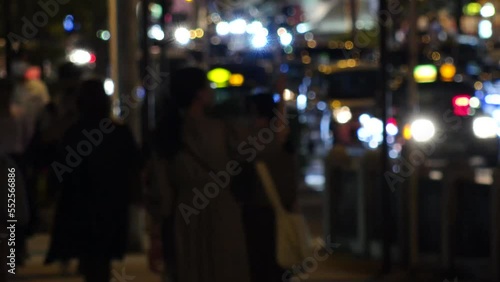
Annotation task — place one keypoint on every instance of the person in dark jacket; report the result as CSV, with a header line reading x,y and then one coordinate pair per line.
x,y
100,168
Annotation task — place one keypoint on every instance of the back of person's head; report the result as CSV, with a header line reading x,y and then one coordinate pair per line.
x,y
70,76
92,101
186,85
6,88
262,105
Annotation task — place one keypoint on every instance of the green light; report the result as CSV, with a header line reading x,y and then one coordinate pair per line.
x,y
472,9
425,73
156,10
219,76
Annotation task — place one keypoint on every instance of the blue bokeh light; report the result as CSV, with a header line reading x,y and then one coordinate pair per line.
x,y
68,23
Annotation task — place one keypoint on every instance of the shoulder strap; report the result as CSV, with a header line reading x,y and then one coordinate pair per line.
x,y
269,186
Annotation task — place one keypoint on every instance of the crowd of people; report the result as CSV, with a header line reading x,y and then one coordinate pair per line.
x,y
210,218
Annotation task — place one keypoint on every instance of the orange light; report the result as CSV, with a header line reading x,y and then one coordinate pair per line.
x,y
407,132
236,79
447,72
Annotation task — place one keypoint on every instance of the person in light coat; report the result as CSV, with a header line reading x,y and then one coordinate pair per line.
x,y
200,228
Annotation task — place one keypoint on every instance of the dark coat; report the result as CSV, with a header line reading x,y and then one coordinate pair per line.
x,y
92,211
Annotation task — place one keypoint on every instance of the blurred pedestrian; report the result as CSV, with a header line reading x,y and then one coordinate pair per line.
x,y
13,124
100,169
203,238
51,124
258,213
13,141
32,95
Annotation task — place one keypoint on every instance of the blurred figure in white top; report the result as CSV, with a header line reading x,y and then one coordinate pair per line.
x,y
31,96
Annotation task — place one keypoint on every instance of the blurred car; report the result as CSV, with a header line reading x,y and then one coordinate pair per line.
x,y
452,122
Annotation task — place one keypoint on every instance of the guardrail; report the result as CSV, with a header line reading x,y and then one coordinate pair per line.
x,y
457,217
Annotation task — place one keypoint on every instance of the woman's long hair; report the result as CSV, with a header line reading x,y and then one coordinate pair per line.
x,y
185,85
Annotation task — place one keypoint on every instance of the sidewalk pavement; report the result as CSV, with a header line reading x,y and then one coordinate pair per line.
x,y
134,268
338,267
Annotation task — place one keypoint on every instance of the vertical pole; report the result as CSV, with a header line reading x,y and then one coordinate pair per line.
x,y
203,24
8,44
113,47
495,226
413,106
384,187
145,39
124,71
145,59
354,17
459,12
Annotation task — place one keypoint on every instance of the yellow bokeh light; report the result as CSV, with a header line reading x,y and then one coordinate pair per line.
x,y
407,132
351,63
335,104
478,85
306,60
199,32
472,9
192,34
349,45
312,44
436,56
342,64
236,79
219,75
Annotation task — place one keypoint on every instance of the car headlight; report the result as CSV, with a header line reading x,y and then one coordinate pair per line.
x,y
422,130
485,127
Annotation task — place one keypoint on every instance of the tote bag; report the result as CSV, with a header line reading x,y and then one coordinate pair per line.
x,y
293,239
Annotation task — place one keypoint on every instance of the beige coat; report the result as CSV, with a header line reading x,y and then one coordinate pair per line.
x,y
210,241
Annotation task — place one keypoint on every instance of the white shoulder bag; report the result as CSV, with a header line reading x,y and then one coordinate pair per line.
x,y
293,240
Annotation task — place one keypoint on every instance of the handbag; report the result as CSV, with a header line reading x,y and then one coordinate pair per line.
x,y
293,239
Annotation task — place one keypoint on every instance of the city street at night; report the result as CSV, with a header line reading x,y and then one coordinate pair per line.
x,y
249,140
